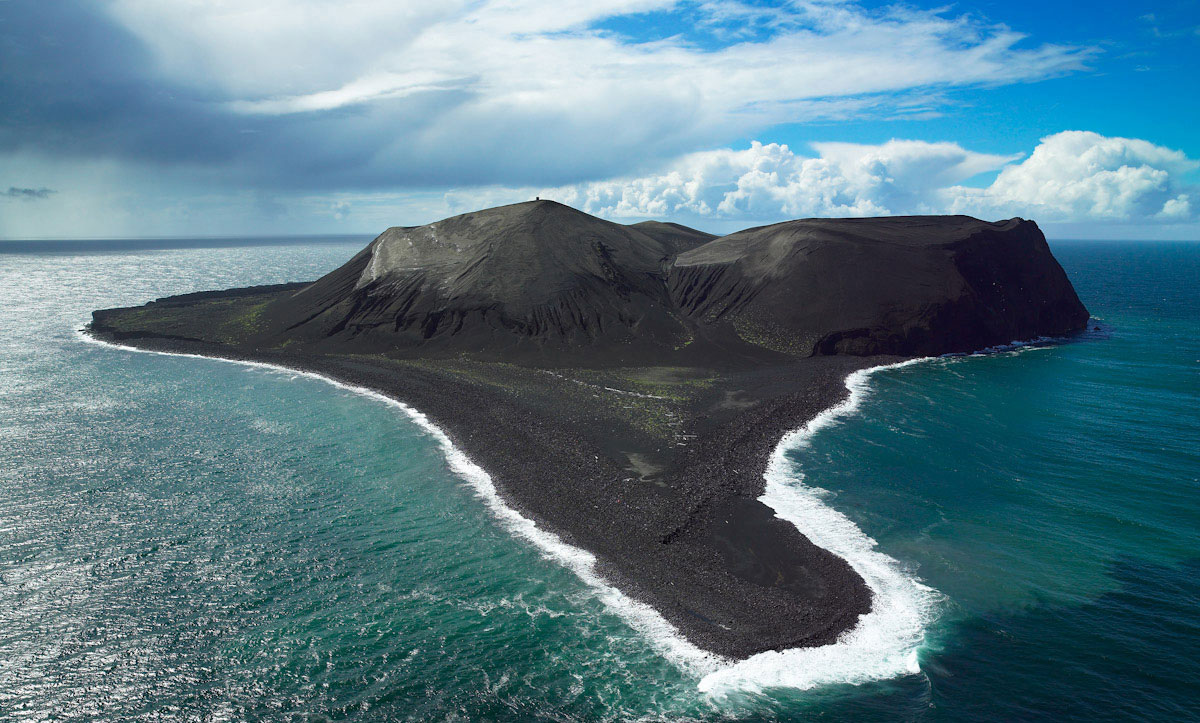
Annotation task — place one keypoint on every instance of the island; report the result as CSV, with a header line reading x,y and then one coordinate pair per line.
x,y
625,385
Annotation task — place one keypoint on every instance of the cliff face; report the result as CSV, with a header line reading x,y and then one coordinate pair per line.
x,y
540,279
918,285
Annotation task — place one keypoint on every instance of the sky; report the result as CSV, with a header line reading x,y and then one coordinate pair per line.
x,y
154,118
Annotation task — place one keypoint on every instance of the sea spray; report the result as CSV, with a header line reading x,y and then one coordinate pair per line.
x,y
885,642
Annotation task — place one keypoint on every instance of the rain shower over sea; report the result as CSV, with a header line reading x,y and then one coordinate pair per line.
x,y
186,538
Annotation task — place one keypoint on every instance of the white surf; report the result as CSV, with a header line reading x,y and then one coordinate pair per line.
x,y
886,641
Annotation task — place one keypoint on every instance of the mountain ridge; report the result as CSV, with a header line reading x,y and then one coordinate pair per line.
x,y
538,279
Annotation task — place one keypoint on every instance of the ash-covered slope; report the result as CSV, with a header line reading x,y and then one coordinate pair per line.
x,y
677,238
917,285
545,283
513,279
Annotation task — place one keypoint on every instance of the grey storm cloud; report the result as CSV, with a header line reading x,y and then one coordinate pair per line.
x,y
469,95
76,83
27,194
87,87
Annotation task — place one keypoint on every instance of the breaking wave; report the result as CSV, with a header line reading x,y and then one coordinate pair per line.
x,y
886,641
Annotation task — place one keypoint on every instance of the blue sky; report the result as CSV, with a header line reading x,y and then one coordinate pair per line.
x,y
1140,83
170,118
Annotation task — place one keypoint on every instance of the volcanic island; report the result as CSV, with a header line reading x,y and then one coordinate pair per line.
x,y
625,385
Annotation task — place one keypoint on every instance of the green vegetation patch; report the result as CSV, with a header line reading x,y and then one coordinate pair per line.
x,y
242,321
224,320
770,336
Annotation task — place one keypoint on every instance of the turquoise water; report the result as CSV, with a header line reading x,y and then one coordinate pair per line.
x,y
195,540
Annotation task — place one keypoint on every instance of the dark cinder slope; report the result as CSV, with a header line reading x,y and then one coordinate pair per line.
x,y
676,237
543,282
514,280
918,285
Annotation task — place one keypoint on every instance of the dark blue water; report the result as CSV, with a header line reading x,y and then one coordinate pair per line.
x,y
1053,496
188,539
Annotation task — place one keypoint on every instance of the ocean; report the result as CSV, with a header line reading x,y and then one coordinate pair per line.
x,y
191,539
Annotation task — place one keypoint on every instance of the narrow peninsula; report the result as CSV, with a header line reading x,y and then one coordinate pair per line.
x,y
625,385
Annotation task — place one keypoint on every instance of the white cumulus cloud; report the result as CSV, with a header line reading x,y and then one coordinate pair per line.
x,y
767,181
1069,177
1080,175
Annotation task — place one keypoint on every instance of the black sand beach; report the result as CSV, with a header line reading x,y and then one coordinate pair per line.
x,y
679,526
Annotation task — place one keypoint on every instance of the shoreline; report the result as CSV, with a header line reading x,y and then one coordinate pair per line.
x,y
886,641
881,644
642,617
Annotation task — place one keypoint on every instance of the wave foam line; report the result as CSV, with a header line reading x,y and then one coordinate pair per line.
x,y
640,616
885,642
